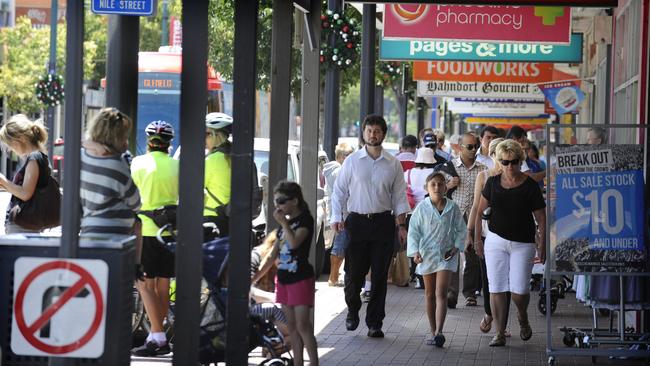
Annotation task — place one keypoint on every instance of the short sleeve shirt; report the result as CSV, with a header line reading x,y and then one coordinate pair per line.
x,y
511,215
294,263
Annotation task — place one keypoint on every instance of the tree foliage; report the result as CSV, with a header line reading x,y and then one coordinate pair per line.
x,y
25,59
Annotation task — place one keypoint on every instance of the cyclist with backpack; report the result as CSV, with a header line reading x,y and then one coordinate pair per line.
x,y
156,176
218,169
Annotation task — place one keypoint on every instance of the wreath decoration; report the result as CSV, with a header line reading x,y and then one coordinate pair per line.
x,y
49,89
390,71
345,49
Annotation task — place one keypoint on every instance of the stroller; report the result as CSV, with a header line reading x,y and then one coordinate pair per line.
x,y
558,288
212,334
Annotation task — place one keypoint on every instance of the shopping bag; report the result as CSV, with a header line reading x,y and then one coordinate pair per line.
x,y
399,269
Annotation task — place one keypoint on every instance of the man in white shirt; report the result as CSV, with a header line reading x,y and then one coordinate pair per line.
x,y
488,133
371,187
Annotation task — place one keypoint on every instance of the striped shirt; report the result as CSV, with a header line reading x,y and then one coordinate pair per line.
x,y
109,198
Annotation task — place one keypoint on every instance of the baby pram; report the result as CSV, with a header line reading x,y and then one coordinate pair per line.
x,y
559,287
212,336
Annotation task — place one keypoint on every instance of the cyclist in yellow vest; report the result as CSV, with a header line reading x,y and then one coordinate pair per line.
x,y
218,127
156,176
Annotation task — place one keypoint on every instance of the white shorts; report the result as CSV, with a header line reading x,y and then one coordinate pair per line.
x,y
509,264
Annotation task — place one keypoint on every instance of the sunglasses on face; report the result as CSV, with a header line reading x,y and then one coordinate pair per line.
x,y
508,162
470,146
281,200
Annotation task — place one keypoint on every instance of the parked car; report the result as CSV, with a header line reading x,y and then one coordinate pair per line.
x,y
324,233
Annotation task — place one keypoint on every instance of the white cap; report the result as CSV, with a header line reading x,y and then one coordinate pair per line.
x,y
425,155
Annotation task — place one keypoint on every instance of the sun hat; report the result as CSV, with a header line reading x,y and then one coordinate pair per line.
x,y
425,156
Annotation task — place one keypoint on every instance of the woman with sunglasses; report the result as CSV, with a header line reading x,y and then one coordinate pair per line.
x,y
486,322
509,248
295,286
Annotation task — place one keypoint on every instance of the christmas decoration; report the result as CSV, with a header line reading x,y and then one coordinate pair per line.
x,y
345,49
390,71
49,89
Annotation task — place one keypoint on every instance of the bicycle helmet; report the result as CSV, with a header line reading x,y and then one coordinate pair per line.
x,y
218,120
160,129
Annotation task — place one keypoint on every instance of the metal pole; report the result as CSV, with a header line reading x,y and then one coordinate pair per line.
x,y
244,76
367,62
309,110
332,91
194,95
122,66
280,100
419,102
73,80
51,69
164,34
404,101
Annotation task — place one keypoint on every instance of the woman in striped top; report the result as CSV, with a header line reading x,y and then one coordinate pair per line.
x,y
109,198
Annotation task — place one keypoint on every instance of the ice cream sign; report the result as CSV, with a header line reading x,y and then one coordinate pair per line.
x,y
528,24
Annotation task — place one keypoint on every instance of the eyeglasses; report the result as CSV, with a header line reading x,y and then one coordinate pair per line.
x,y
470,146
508,162
281,200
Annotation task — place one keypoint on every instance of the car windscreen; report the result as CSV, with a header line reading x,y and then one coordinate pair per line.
x,y
262,162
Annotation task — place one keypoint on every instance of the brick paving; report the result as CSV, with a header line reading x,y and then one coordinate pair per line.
x,y
406,328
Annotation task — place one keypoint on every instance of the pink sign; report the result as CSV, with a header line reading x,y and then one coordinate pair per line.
x,y
525,24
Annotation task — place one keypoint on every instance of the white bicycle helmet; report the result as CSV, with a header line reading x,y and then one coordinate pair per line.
x,y
218,120
160,129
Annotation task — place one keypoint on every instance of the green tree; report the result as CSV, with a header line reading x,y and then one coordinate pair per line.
x,y
25,59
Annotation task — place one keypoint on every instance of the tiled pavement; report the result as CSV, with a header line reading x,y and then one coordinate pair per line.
x,y
406,327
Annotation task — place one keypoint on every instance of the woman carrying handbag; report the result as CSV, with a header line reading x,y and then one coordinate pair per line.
x,y
35,196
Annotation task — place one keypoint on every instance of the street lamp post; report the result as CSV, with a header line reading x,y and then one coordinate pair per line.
x,y
51,69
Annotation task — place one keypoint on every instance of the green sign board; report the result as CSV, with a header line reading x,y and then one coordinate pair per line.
x,y
405,50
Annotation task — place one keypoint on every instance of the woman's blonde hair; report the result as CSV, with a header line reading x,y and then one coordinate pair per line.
x,y
266,283
492,148
510,147
109,128
22,129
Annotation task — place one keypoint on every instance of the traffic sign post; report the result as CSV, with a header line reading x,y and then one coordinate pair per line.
x,y
124,7
59,307
66,310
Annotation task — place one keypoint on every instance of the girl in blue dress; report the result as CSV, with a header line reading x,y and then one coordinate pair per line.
x,y
436,235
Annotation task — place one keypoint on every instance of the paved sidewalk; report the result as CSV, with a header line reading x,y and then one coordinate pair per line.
x,y
406,328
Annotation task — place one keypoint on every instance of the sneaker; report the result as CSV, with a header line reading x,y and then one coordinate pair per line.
x,y
365,296
151,349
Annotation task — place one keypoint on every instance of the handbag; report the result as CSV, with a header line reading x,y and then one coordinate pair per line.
x,y
42,211
399,269
409,192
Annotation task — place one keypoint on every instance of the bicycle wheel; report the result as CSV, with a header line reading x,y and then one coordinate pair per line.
x,y
138,311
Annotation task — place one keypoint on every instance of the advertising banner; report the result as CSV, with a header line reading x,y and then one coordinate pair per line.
x,y
599,208
461,89
564,97
528,24
411,50
502,72
495,107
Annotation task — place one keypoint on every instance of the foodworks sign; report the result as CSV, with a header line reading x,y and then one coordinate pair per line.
x,y
410,50
512,72
536,24
460,89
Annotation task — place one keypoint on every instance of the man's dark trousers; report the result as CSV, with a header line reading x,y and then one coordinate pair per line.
x,y
371,247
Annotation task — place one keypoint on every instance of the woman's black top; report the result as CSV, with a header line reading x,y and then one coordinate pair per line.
x,y
294,263
511,217
43,173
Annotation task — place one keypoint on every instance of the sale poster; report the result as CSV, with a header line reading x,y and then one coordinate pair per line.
x,y
599,208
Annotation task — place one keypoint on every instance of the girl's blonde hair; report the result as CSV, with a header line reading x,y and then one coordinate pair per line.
x,y
510,147
109,128
19,128
492,149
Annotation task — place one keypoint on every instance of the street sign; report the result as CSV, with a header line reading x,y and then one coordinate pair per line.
x,y
527,24
124,7
499,107
59,307
412,50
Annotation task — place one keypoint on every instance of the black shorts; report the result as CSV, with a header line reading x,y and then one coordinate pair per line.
x,y
157,259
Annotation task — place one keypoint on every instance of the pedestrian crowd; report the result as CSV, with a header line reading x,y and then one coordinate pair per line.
x,y
478,207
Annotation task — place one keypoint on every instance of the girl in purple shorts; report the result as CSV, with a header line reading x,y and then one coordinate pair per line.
x,y
295,278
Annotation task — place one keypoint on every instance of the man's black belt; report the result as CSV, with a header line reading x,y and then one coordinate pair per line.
x,y
371,216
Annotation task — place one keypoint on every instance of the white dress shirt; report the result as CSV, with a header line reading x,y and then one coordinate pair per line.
x,y
366,185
